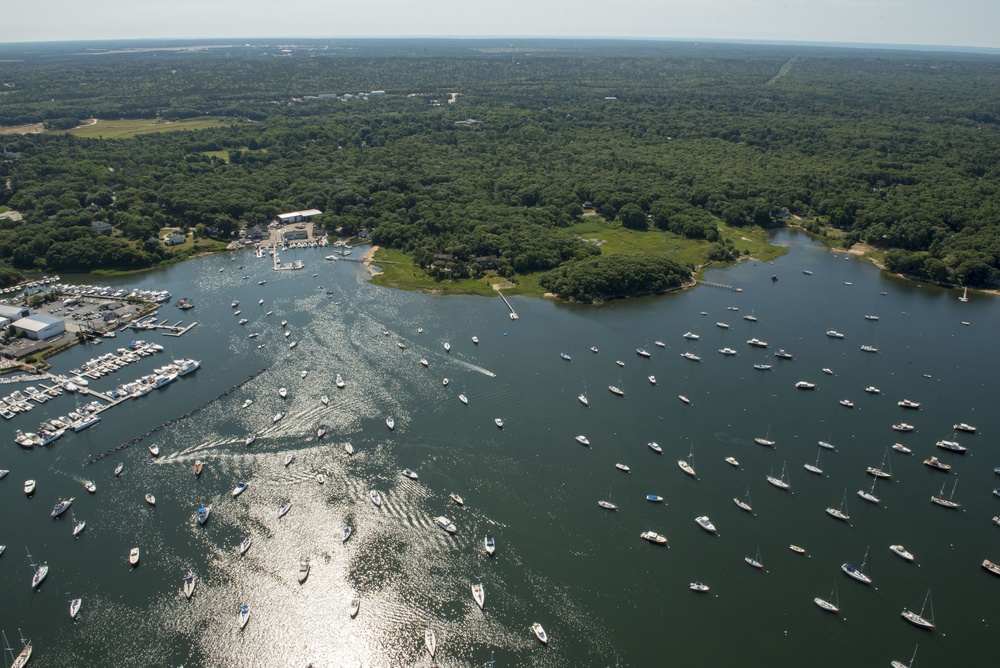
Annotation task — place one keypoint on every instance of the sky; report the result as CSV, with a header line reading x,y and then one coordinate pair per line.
x,y
966,23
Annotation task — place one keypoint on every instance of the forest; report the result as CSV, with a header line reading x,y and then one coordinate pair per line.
x,y
477,157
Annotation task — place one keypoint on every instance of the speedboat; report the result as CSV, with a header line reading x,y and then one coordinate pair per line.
x,y
902,426
834,334
783,355
284,509
901,552
154,449
690,336
390,423
654,498
540,633
410,474
445,524
354,607
655,447
593,349
464,399
62,506
653,537
346,534
376,497
478,595
90,486
726,351
619,363
582,440
247,403
961,426
498,422
846,403
906,403
457,499
697,586
705,523
757,343
29,487
622,467
349,449
250,439
133,556
119,468
642,352
277,417
198,465
447,347
423,362
475,340
203,513
244,616
240,488
652,380
732,461
827,371
303,569
283,392
74,607
150,499
684,399
188,584
871,389
805,385
244,545
445,382
340,382
566,357
899,447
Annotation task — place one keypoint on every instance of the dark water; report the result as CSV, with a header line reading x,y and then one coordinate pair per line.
x,y
584,573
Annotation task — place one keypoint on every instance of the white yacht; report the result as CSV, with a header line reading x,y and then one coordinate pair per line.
x,y
390,423
244,615
901,552
410,474
240,488
74,607
655,447
445,524
653,537
189,583
705,523
478,595
376,497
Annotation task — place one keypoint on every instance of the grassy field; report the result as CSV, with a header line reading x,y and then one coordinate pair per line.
x,y
131,127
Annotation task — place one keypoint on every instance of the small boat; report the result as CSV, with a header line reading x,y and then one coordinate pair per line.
x,y
744,503
247,403
871,389
961,426
78,527
303,569
133,556
74,608
805,385
869,496
654,498
282,511
655,447
340,382
782,482
288,459
607,505
760,366
582,440
918,619
991,567
653,537
475,340
782,355
814,468
593,349
691,356
445,524
349,449
464,399
154,449
684,399
826,445
62,506
283,392
303,374
755,561
498,422
899,447
277,417
423,362
203,514
953,446
840,513
686,466
796,549
616,390
935,463
119,468
732,461
690,336
189,584
846,403
757,343
834,334
900,664
244,615
697,586
240,488
90,486
244,545
489,544
642,352
722,325
619,363
651,379
947,502
457,499
447,347
376,497
410,474
445,382
727,351
764,440
292,344
353,608
902,426
622,467
478,595
705,523
830,605
150,499
857,573
902,552
906,403
540,633
827,371
249,439
566,357
320,432
198,466
660,344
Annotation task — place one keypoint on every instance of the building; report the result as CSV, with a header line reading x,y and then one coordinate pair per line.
x,y
298,216
102,227
295,235
13,313
174,239
40,327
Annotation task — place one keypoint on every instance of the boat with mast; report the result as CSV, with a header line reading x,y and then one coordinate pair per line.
x,y
607,504
857,573
765,441
744,503
685,464
782,482
840,513
78,526
880,471
40,571
900,664
947,503
478,595
21,659
869,496
918,619
832,604
814,468
755,560
583,396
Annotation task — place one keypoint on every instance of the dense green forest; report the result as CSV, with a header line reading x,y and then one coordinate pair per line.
x,y
895,149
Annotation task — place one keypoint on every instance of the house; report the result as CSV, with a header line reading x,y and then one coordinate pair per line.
x,y
295,234
40,327
174,239
298,216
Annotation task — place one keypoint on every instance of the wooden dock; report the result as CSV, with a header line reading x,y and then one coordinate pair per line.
x,y
513,313
720,285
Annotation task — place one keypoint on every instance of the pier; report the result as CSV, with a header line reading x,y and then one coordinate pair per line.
x,y
720,285
175,329
513,313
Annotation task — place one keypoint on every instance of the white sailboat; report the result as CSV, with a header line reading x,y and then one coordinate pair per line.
x,y
765,441
744,503
918,619
782,482
900,664
857,573
947,503
814,468
830,605
840,513
583,397
685,464
478,595
869,496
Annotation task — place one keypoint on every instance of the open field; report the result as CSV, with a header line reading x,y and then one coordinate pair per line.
x,y
128,127
31,128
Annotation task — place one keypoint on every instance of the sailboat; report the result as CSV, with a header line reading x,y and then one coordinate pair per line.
x,y
873,315
919,619
869,496
744,503
782,482
857,573
429,642
41,570
21,659
765,441
753,315
900,664
78,526
947,503
869,348
755,561
607,504
880,471
583,396
814,468
840,513
831,605
478,595
685,464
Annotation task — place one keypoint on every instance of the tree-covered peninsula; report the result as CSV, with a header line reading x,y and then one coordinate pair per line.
x,y
477,159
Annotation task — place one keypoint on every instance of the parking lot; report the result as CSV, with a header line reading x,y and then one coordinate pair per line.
x,y
91,314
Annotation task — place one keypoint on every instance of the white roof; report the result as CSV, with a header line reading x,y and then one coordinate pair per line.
x,y
296,214
37,322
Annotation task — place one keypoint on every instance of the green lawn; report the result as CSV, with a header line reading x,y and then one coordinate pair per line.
x,y
132,127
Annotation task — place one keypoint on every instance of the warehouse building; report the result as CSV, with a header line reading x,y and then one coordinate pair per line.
x,y
40,327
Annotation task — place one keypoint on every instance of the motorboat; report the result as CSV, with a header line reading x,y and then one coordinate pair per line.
x,y
498,422
283,510
390,423
303,569
722,325
203,514
654,498
593,349
991,567
189,583
154,449
475,340
906,403
74,607
732,461
150,499
727,351
582,440
119,468
410,474
349,449
353,608
961,426
340,382
464,399
827,371
133,556
653,537
198,466
249,439
642,352
244,545
834,334
478,595
698,587
457,499
899,447
935,463
622,467
705,523
423,362
690,356
660,344
445,524
244,615
846,403
447,347
247,403
283,392
655,447
489,544
902,552
953,446
320,431
619,363
376,497
444,382
871,389
782,355
566,357
277,417
346,534
240,488
757,343
614,389
761,366
29,487
429,642
796,549
62,506
805,385
869,348
826,445
651,379
902,426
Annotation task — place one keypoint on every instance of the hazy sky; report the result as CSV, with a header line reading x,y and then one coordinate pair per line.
x,y
928,22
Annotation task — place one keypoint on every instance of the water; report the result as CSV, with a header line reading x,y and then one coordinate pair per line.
x,y
584,573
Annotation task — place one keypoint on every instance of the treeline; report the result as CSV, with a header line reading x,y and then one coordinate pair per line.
x,y
895,149
603,278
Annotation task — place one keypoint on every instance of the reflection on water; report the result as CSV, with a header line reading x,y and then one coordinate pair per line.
x,y
581,571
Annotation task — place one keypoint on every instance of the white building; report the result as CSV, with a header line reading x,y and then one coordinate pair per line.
x,y
14,312
298,216
40,327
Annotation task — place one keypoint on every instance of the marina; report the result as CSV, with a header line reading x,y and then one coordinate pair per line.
x,y
529,486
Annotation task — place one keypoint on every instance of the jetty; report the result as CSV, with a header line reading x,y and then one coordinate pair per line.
x,y
720,285
513,313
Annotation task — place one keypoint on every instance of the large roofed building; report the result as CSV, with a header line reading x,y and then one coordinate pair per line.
x,y
298,216
14,312
40,326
